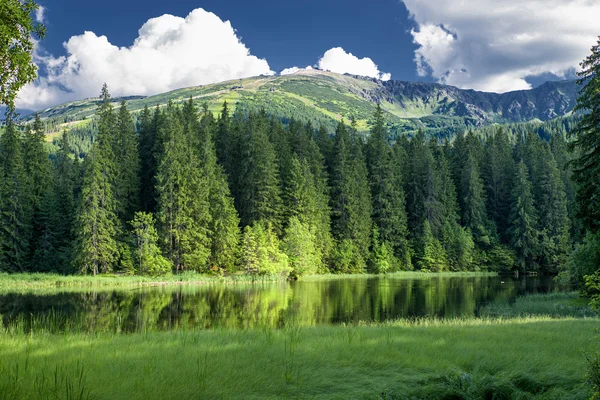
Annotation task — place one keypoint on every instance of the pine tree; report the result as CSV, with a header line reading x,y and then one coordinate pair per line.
x,y
97,226
66,181
432,256
258,181
125,149
554,218
497,175
587,141
147,139
474,214
347,181
183,198
148,257
15,211
389,210
523,219
38,173
224,226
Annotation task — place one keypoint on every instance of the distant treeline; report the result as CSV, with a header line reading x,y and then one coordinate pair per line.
x,y
180,190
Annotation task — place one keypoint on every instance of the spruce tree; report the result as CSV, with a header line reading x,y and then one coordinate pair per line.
x,y
224,225
148,258
474,214
97,226
587,141
38,170
258,180
15,211
66,183
183,198
523,220
389,210
125,149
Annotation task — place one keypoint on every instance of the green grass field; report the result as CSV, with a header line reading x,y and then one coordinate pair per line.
x,y
516,354
519,358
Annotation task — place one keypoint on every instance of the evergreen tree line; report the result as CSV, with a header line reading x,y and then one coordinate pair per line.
x,y
182,190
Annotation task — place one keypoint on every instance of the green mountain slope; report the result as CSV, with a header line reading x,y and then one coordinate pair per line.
x,y
325,98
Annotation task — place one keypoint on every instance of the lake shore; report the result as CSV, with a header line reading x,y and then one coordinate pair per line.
x,y
32,281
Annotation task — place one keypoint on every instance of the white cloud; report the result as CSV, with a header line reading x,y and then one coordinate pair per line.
x,y
40,13
170,52
493,46
293,70
337,60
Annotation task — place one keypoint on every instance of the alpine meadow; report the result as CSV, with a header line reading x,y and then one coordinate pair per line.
x,y
218,230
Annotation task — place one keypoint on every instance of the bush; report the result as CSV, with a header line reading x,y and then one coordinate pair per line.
x,y
299,246
260,251
347,258
583,261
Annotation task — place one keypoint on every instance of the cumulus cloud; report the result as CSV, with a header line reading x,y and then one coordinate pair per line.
x,y
40,13
293,70
494,46
170,52
337,60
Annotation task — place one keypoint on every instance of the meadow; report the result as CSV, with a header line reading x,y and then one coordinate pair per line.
x,y
509,354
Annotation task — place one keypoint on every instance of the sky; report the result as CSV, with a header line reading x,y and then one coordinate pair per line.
x,y
144,47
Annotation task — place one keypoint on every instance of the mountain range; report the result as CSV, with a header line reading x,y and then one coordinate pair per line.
x,y
324,98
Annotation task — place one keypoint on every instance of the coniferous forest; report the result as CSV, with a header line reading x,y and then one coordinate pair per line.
x,y
177,189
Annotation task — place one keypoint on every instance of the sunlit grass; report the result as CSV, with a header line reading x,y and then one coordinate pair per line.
x,y
520,358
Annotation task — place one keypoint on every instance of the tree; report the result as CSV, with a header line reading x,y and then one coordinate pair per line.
x,y
474,212
389,209
351,211
183,198
432,256
258,180
587,141
125,149
299,246
66,181
261,254
224,225
523,219
97,226
16,47
15,210
147,253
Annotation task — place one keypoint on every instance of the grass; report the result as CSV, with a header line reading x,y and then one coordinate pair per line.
x,y
426,359
33,281
30,281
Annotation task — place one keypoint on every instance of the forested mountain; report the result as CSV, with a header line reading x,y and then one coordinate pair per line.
x,y
324,98
177,189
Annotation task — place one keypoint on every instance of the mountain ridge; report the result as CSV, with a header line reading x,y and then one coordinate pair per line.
x,y
324,98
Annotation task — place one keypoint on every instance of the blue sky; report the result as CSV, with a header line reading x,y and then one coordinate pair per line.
x,y
286,33
151,46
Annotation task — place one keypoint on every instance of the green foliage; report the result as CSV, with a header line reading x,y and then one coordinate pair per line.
x,y
591,289
348,259
587,140
15,203
583,260
432,256
261,254
97,227
183,197
299,246
16,47
147,255
523,219
382,256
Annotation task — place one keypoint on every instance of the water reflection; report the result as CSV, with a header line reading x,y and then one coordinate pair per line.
x,y
334,301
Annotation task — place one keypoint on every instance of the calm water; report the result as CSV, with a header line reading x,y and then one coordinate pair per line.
x,y
323,302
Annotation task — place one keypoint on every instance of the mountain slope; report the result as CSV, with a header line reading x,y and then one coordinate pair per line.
x,y
324,98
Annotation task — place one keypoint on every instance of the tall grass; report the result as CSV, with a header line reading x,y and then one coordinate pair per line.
x,y
534,357
27,281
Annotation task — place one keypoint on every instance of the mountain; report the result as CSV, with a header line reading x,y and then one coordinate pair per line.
x,y
325,97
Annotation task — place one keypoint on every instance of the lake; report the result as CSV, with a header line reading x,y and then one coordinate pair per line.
x,y
266,305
